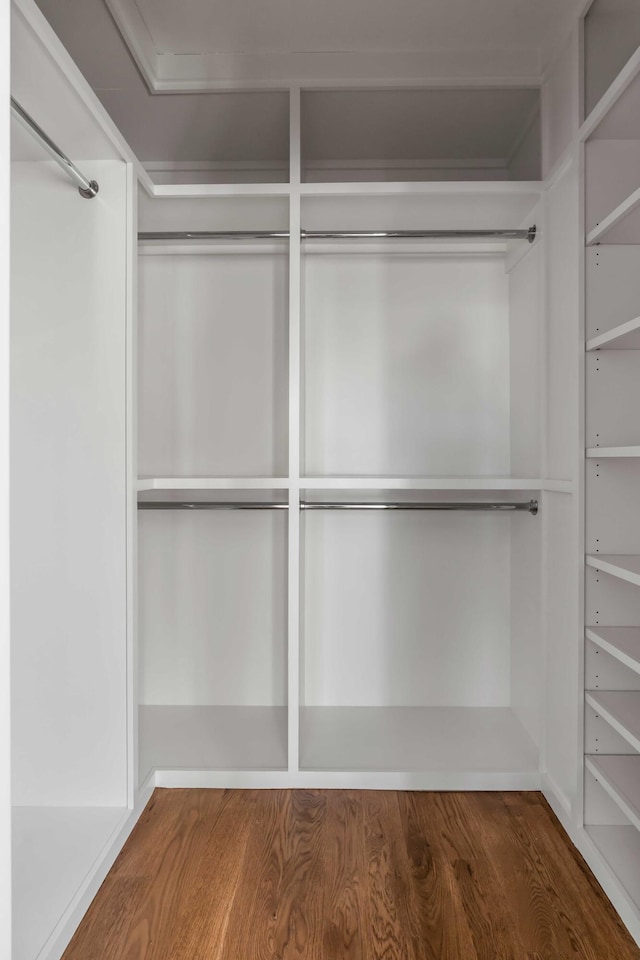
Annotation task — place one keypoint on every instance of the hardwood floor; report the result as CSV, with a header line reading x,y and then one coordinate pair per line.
x,y
346,875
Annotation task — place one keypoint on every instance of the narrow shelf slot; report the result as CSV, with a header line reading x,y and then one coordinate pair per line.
x,y
620,777
624,567
625,336
599,453
623,643
621,709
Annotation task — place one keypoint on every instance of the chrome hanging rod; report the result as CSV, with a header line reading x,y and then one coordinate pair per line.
x,y
86,188
530,506
210,505
529,234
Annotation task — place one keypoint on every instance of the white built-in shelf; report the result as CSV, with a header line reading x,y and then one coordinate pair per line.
x,y
620,847
623,643
192,191
620,777
55,850
600,453
212,483
621,710
502,188
628,205
625,567
613,107
212,738
451,740
626,336
435,483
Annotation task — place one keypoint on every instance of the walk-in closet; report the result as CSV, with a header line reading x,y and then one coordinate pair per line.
x,y
325,394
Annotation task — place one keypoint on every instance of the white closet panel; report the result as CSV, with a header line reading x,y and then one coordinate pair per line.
x,y
212,607
69,487
386,623
406,365
213,365
562,677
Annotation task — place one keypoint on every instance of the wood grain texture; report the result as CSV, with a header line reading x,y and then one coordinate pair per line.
x,y
349,875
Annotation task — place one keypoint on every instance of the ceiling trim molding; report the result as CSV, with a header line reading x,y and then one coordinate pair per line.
x,y
137,37
198,73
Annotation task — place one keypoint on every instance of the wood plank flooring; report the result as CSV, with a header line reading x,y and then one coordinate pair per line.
x,y
348,875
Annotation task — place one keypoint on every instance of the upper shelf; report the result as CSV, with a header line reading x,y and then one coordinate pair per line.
x,y
405,134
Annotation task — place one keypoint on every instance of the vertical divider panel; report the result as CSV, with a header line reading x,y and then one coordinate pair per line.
x,y
132,486
294,554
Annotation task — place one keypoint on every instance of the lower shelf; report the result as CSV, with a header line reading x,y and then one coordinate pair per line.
x,y
413,739
54,851
212,738
620,847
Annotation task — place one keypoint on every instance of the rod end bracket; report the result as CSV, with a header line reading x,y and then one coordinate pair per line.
x,y
91,191
531,233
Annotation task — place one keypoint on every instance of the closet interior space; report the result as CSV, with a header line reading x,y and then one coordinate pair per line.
x,y
612,463
314,482
335,352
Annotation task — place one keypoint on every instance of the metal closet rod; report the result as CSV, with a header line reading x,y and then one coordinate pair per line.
x,y
530,506
528,234
86,188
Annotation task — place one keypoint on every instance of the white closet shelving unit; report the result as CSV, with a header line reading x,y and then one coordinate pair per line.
x,y
296,635
309,373
612,382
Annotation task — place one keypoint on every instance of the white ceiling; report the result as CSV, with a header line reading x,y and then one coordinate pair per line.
x,y
268,26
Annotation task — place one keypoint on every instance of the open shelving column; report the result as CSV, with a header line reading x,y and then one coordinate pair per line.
x,y
612,468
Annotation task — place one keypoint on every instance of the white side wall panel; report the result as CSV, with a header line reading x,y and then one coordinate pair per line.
x,y
525,345
563,687
68,477
563,343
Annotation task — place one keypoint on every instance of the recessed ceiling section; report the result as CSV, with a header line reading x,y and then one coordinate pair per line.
x,y
200,44
473,134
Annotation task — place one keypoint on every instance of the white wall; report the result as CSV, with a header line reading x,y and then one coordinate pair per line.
x,y
212,365
406,365
68,476
212,607
407,609
5,674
